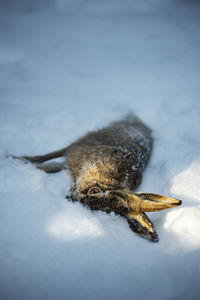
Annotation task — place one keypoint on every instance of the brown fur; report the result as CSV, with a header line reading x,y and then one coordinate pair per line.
x,y
106,165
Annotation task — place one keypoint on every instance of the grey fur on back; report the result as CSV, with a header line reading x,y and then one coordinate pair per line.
x,y
129,135
128,142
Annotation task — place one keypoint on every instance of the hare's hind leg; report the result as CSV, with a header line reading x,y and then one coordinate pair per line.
x,y
52,167
42,158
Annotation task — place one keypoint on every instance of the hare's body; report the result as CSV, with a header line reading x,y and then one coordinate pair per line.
x,y
121,151
105,165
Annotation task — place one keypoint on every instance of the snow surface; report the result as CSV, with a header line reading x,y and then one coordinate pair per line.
x,y
67,67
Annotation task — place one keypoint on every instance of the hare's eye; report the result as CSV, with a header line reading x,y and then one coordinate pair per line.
x,y
94,191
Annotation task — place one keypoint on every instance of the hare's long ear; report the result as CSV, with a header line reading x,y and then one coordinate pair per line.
x,y
140,223
156,202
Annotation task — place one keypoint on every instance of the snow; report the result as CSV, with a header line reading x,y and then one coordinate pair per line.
x,y
68,67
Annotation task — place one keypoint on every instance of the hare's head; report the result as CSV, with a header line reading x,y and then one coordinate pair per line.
x,y
102,183
112,197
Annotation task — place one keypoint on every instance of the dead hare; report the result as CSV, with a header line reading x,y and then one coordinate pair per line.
x,y
106,165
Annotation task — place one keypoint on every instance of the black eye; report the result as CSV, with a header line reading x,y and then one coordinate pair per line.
x,y
94,191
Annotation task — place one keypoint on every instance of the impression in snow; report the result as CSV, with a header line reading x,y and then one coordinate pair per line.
x,y
106,165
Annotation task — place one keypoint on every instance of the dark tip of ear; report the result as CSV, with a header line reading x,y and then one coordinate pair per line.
x,y
154,237
178,203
